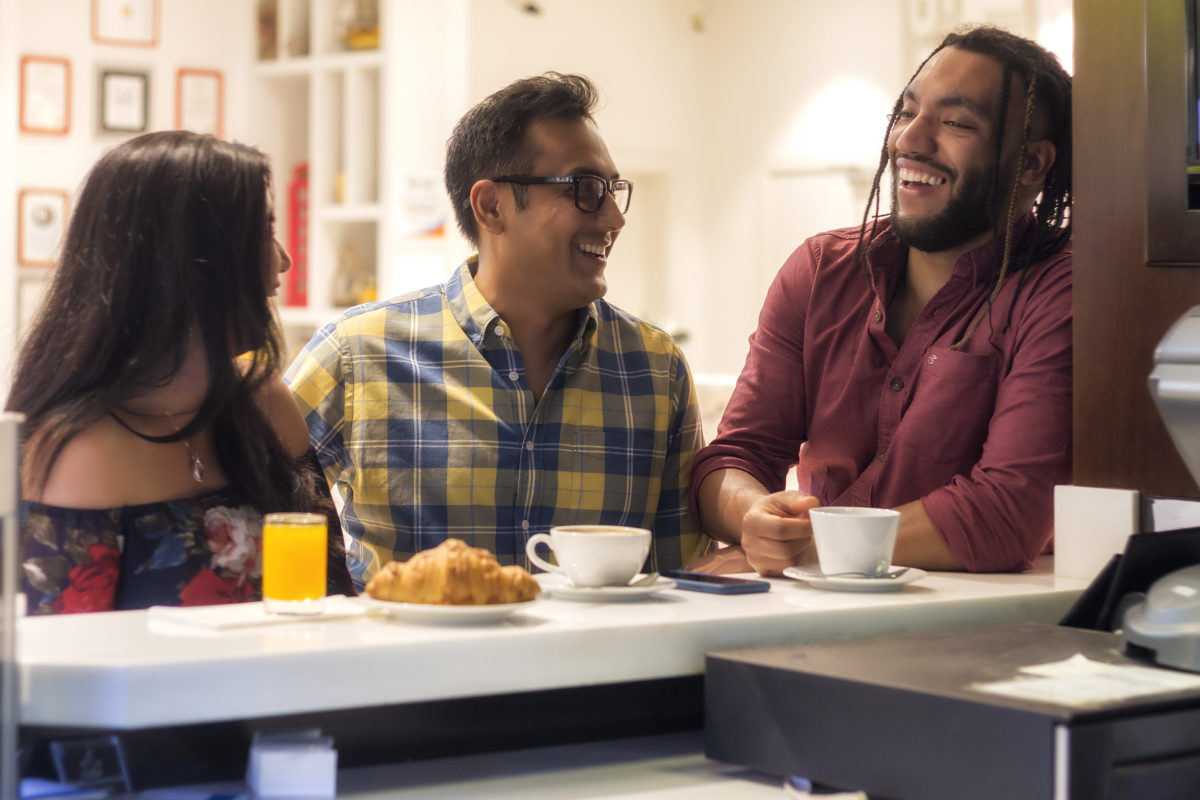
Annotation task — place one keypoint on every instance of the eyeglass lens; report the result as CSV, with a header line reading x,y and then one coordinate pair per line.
x,y
590,192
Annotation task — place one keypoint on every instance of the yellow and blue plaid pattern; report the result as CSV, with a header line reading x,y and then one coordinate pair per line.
x,y
421,416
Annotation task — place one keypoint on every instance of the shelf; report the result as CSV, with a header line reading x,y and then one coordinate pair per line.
x,y
351,59
369,125
311,317
349,212
306,65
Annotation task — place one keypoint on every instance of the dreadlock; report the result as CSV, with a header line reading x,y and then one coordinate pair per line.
x,y
1047,90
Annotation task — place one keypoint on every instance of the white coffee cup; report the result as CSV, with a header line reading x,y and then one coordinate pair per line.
x,y
854,540
593,555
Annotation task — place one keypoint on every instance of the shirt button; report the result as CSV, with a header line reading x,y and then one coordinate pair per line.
x,y
499,330
897,384
514,376
529,445
524,524
878,316
880,455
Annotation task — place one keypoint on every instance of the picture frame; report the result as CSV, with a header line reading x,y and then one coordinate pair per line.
x,y
41,223
126,23
200,100
45,95
124,99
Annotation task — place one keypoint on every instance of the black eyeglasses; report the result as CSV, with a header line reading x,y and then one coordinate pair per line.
x,y
590,190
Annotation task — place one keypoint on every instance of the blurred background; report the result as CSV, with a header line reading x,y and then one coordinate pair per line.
x,y
746,125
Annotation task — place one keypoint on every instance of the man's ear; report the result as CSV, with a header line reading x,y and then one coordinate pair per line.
x,y
1039,158
485,205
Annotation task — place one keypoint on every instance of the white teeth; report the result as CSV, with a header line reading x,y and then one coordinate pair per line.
x,y
593,249
912,176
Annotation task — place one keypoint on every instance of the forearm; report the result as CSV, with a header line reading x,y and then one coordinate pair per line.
x,y
918,543
724,498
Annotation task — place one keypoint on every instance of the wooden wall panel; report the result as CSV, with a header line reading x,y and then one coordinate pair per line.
x,y
1122,305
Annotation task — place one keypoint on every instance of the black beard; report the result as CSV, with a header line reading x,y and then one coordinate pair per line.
x,y
965,217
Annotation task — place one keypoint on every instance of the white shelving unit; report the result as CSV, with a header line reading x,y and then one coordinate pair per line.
x,y
358,119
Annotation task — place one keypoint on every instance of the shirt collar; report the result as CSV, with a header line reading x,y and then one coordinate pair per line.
x,y
472,312
977,265
476,316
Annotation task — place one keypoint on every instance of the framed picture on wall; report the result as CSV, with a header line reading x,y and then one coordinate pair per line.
x,y
199,100
41,222
124,101
131,23
45,95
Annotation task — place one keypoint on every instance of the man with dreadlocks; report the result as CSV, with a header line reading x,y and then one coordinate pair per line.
x,y
921,360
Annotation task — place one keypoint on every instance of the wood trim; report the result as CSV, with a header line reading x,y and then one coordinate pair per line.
x,y
25,126
22,197
218,76
155,24
1122,306
1172,232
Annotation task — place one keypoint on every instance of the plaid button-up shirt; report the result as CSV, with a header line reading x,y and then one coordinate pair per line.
x,y
422,418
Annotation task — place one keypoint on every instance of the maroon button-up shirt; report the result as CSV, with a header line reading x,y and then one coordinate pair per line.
x,y
981,435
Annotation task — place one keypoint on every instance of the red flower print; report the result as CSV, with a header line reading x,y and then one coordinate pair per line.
x,y
235,540
92,586
207,588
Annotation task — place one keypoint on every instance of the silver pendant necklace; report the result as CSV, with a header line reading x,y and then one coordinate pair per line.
x,y
196,463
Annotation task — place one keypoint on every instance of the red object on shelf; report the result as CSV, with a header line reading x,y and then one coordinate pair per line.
x,y
296,278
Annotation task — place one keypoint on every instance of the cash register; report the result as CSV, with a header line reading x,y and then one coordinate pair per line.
x,y
1020,711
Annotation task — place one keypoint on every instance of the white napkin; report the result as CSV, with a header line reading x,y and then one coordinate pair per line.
x,y
244,615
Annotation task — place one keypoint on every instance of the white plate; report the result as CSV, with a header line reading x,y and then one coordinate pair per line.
x,y
815,579
561,588
429,613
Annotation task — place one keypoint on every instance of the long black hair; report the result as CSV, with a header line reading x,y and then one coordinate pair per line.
x,y
169,241
1048,96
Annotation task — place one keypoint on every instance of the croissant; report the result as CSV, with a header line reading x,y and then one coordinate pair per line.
x,y
453,573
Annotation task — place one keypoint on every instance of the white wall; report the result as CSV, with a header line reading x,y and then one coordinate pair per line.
x,y
9,89
737,119
766,66
646,60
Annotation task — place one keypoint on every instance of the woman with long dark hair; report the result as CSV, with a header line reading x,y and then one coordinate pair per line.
x,y
152,447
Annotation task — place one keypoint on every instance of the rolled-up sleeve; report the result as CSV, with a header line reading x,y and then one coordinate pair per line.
x,y
999,517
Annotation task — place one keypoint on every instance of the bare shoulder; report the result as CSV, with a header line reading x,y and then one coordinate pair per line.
x,y
277,404
91,471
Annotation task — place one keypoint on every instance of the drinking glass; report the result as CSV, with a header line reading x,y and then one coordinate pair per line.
x,y
294,553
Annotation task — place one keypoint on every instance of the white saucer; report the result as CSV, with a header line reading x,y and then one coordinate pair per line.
x,y
428,613
813,577
561,588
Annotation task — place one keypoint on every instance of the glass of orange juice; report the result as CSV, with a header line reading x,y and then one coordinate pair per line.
x,y
294,553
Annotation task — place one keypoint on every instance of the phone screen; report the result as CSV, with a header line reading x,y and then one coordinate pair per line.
x,y
704,577
716,584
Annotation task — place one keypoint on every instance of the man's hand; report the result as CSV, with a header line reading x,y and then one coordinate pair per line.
x,y
776,533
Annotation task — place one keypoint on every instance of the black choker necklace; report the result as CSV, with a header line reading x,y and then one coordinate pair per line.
x,y
197,466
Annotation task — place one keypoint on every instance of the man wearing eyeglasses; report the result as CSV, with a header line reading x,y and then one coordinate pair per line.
x,y
513,397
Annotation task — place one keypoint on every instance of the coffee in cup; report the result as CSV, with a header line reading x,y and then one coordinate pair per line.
x,y
593,555
854,540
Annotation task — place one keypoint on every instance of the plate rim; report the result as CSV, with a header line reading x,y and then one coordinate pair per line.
x,y
449,610
859,584
662,584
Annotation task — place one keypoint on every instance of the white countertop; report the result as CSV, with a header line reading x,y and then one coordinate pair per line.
x,y
114,670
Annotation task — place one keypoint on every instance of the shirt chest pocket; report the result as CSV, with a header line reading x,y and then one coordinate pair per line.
x,y
952,405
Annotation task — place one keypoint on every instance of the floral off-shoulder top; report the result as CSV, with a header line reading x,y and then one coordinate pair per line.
x,y
202,550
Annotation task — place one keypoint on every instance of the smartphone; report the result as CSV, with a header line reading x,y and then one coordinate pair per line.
x,y
717,584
